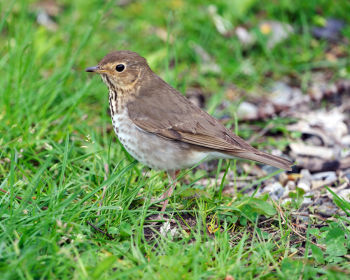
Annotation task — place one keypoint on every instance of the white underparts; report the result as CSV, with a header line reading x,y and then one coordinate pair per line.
x,y
154,151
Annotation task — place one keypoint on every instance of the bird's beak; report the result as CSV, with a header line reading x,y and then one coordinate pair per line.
x,y
95,69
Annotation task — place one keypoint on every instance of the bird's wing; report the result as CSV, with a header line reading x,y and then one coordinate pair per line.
x,y
162,110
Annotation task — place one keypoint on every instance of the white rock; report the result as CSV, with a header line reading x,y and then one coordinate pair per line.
x,y
275,190
345,194
290,185
284,95
327,177
247,111
305,174
304,184
307,201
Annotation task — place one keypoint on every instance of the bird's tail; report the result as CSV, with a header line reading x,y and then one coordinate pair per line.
x,y
265,158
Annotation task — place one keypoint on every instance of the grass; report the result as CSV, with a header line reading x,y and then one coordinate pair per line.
x,y
56,141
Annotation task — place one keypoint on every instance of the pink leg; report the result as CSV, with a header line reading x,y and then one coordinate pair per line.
x,y
168,193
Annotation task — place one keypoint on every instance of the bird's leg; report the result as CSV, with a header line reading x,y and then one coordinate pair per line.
x,y
168,193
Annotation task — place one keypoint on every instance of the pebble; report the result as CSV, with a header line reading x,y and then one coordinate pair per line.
x,y
323,178
329,176
283,178
247,111
275,190
327,209
285,96
290,185
305,180
345,194
305,174
305,185
303,218
307,201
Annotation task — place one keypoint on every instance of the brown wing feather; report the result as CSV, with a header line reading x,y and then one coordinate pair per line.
x,y
162,110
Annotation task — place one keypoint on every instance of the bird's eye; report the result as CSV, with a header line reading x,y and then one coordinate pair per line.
x,y
120,67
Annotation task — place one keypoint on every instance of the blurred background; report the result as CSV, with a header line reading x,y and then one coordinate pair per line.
x,y
222,53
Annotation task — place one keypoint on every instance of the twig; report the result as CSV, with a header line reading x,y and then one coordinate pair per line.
x,y
294,230
100,230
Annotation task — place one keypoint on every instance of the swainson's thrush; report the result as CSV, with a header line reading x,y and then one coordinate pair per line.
x,y
160,127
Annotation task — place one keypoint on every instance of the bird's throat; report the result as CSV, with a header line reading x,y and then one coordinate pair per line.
x,y
113,102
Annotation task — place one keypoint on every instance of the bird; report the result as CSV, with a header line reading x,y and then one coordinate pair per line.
x,y
160,127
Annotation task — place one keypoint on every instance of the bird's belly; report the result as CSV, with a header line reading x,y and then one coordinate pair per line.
x,y
152,150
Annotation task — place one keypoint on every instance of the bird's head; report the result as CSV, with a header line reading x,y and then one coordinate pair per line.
x,y
121,70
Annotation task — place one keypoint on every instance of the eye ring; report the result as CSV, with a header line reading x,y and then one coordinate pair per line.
x,y
120,67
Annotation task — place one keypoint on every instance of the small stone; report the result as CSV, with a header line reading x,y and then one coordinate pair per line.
x,y
302,218
323,178
304,184
305,180
290,185
275,190
345,194
305,174
283,95
317,184
247,111
307,201
283,178
267,110
327,209
329,176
